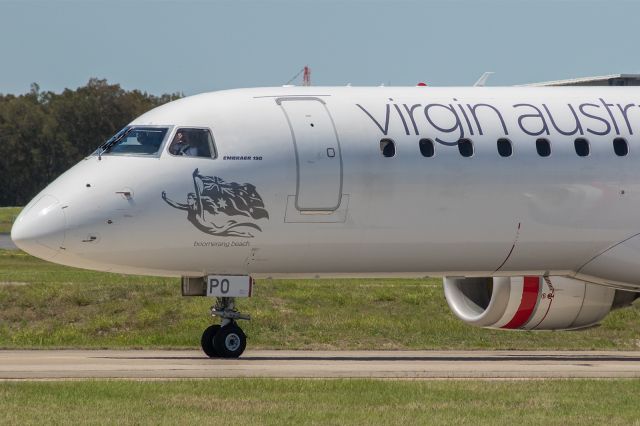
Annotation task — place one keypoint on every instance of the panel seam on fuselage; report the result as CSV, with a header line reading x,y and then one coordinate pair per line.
x,y
604,251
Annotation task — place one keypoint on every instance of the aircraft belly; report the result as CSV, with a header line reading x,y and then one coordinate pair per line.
x,y
375,258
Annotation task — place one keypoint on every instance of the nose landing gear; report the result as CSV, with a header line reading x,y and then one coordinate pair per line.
x,y
225,340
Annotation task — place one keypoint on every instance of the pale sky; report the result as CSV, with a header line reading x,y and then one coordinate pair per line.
x,y
197,46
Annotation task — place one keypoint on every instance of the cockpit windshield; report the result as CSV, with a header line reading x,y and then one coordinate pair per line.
x,y
134,140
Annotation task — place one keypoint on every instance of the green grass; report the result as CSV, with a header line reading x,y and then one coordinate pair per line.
x,y
277,402
7,216
43,305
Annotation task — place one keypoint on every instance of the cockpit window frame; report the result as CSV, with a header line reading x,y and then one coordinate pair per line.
x,y
213,147
170,130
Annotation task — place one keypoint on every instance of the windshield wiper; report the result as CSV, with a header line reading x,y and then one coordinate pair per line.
x,y
111,142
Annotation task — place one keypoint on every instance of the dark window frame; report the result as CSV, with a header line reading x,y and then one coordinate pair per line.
x,y
508,141
577,141
123,134
464,141
626,146
546,144
386,142
425,141
212,145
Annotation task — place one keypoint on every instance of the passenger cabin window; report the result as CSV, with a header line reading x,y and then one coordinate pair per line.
x,y
134,140
505,149
190,142
543,147
427,148
620,147
582,147
388,147
465,147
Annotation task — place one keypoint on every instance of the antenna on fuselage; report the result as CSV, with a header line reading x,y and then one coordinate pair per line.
x,y
306,77
483,79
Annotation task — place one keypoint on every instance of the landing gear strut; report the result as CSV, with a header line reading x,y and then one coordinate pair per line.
x,y
225,340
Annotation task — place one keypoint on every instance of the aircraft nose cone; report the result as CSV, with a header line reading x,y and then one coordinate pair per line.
x,y
40,229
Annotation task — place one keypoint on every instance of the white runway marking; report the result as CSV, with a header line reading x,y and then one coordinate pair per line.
x,y
150,364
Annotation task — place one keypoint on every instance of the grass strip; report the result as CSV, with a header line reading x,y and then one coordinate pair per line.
x,y
327,402
7,216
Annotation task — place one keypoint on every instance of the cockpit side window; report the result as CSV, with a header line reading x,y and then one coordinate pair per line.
x,y
135,140
193,142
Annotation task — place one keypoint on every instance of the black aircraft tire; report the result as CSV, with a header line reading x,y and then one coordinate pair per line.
x,y
207,341
230,341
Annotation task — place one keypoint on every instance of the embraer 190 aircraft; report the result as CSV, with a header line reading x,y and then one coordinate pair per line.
x,y
525,200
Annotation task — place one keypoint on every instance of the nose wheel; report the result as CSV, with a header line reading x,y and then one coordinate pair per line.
x,y
224,340
207,340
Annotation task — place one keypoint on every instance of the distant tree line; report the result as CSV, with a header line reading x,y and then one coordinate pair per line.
x,y
42,134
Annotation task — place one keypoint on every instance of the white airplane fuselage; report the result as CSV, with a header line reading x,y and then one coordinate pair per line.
x,y
335,206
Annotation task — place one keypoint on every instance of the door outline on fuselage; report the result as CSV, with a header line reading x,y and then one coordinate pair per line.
x,y
279,101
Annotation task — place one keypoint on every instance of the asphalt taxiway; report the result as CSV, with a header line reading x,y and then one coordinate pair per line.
x,y
6,242
156,364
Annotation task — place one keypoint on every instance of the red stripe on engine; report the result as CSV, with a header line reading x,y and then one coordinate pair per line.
x,y
530,292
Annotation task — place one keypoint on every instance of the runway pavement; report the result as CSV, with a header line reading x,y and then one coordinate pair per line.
x,y
6,242
152,364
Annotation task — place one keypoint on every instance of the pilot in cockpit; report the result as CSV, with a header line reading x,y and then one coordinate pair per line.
x,y
181,146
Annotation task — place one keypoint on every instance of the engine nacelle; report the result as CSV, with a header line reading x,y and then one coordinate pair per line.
x,y
532,302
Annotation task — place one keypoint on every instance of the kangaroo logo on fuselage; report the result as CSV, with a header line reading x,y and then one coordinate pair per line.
x,y
214,201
